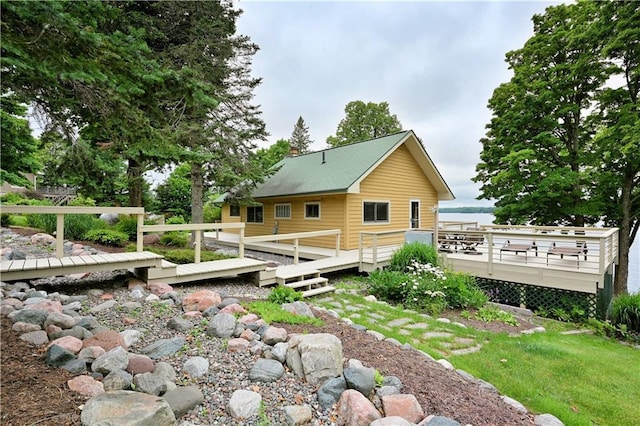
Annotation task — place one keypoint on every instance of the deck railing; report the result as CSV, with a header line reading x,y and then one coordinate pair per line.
x,y
376,248
295,237
60,212
197,243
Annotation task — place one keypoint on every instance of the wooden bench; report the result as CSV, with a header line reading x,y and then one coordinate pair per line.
x,y
13,270
562,251
518,248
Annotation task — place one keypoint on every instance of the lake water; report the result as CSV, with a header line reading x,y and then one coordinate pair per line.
x,y
633,282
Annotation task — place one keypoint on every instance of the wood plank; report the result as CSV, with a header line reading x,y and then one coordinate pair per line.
x,y
29,264
42,263
66,261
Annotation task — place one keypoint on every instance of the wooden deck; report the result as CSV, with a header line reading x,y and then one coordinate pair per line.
x,y
12,270
171,273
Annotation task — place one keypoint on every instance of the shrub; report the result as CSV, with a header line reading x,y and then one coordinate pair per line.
x,y
416,251
175,239
83,201
12,198
75,225
107,237
212,213
282,294
462,291
128,225
5,220
625,310
176,220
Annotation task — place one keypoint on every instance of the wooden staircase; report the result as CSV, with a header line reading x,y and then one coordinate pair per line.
x,y
300,278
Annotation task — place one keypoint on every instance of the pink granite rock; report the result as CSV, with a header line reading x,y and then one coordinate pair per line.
x,y
13,302
140,364
273,335
354,409
248,335
403,405
135,282
47,306
68,343
201,300
159,288
233,308
43,239
86,385
193,315
149,239
25,327
237,345
248,319
107,340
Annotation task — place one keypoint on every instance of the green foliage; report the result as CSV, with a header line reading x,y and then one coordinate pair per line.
x,y
418,252
81,200
12,198
364,122
182,256
272,312
107,237
128,225
625,310
75,225
266,158
379,378
174,195
175,220
175,239
282,294
491,313
212,213
5,220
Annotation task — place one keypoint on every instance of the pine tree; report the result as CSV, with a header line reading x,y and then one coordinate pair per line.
x,y
300,137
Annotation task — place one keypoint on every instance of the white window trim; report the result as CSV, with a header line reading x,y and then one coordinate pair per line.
x,y
256,223
275,210
415,200
388,202
319,210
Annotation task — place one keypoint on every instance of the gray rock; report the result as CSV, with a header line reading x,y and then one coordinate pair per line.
x,y
36,338
361,379
386,391
273,335
73,306
297,415
441,421
316,357
33,300
228,301
515,404
279,351
75,366
109,218
487,386
182,400
330,391
179,324
127,408
117,380
104,306
150,383
244,404
222,326
547,420
163,347
77,332
392,381
391,421
32,316
130,337
115,359
57,356
466,375
266,370
89,323
211,311
196,366
165,370
298,308
131,306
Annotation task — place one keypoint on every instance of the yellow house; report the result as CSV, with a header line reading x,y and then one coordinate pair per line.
x,y
388,183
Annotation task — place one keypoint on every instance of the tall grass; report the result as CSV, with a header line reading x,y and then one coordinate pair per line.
x,y
625,310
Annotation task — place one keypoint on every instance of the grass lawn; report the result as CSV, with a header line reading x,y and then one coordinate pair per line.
x,y
581,379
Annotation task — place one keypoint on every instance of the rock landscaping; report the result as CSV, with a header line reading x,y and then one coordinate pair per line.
x,y
157,355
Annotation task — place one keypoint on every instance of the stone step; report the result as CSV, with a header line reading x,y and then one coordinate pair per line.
x,y
319,290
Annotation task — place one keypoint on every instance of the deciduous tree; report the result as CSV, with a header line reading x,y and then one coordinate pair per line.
x,y
363,122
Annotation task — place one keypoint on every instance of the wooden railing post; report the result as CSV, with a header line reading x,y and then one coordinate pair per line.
x,y
374,251
295,252
140,233
196,246
241,244
60,235
337,245
360,252
490,253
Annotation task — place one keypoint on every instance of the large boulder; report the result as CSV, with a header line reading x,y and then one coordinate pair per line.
x,y
201,300
127,408
354,409
315,357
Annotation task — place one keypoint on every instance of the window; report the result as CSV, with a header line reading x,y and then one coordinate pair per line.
x,y
254,214
283,211
312,210
234,210
375,212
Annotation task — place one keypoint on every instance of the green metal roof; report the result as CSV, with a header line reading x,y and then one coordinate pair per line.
x,y
337,170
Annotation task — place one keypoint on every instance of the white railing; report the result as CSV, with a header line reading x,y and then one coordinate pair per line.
x,y
376,248
60,212
295,237
197,244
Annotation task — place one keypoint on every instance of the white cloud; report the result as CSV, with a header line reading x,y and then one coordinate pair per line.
x,y
435,63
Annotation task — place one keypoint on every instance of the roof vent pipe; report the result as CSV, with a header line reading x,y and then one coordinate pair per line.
x,y
323,160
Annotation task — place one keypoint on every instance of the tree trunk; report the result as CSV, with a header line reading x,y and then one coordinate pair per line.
x,y
624,243
197,185
134,180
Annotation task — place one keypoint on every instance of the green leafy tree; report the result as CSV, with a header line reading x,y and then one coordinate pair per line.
x,y
18,149
550,156
174,195
363,122
268,157
300,137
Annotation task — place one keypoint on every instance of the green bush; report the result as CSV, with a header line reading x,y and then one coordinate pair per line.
x,y
282,294
212,213
12,198
107,237
175,239
128,225
416,251
625,310
82,201
462,292
5,220
176,220
75,225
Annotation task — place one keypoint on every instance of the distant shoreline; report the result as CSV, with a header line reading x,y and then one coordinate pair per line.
x,y
466,209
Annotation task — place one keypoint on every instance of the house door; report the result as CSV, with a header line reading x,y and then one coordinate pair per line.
x,y
414,212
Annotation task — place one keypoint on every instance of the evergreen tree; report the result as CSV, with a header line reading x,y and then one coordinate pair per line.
x,y
300,137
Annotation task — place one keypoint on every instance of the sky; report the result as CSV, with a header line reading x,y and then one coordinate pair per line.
x,y
435,63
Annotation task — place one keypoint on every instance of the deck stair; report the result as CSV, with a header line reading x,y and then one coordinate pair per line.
x,y
301,278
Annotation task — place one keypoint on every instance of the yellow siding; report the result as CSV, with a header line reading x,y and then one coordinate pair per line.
x,y
331,217
231,219
397,180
